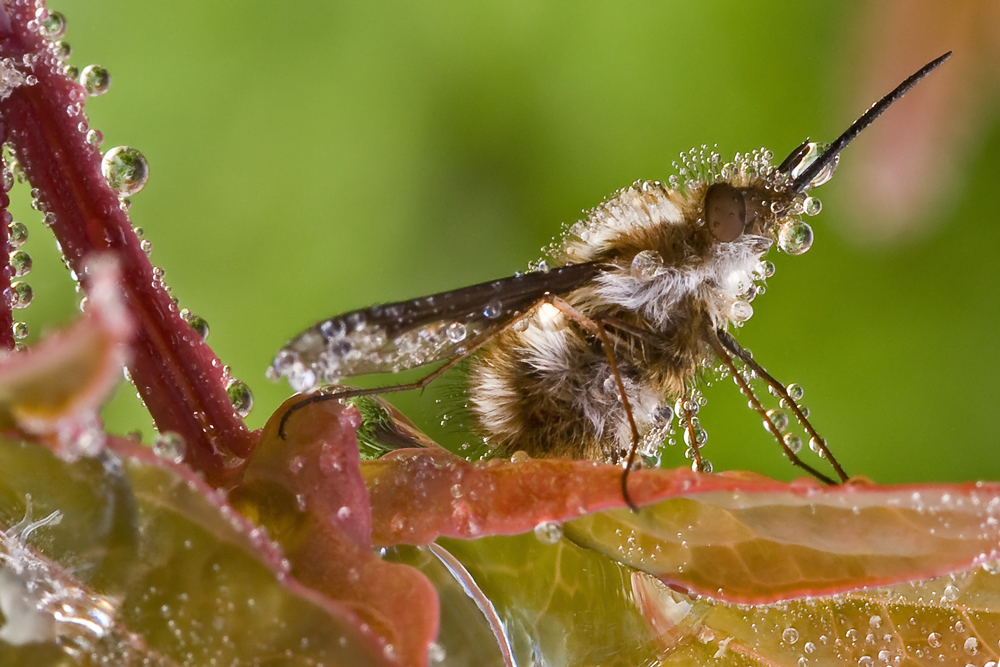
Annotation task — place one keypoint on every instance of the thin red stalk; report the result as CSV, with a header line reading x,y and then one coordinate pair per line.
x,y
178,376
6,313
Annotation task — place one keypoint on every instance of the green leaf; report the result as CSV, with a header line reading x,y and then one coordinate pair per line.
x,y
143,562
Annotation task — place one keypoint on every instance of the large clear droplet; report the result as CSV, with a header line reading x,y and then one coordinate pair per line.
x,y
17,234
813,153
778,418
240,396
795,237
170,446
53,25
199,324
125,169
20,294
741,311
20,262
63,50
95,80
646,264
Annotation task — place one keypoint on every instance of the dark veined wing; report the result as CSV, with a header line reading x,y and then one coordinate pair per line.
x,y
396,336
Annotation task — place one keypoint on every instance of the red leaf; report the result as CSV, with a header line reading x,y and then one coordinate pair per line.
x,y
306,490
734,537
60,383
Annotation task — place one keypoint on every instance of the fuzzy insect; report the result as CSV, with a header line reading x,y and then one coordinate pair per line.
x,y
587,358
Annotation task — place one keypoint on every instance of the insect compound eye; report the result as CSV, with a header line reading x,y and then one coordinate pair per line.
x,y
725,212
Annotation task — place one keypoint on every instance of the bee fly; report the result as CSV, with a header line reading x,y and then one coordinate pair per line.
x,y
585,359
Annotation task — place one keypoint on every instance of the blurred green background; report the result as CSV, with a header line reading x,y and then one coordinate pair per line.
x,y
312,160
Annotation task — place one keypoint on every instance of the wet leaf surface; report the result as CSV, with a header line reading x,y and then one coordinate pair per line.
x,y
739,538
305,489
152,565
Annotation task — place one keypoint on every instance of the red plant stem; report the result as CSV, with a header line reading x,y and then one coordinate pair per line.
x,y
6,314
177,375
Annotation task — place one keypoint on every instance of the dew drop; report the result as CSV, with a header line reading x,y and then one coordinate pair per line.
x,y
662,414
934,639
700,436
790,635
53,26
778,418
816,446
812,206
240,396
646,264
20,262
170,446
950,593
20,330
971,646
17,234
95,80
456,332
62,51
793,442
125,169
301,379
94,137
741,311
866,661
809,647
492,310
199,324
436,653
548,532
20,294
795,237
795,392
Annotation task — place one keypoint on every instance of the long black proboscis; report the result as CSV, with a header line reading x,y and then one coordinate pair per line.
x,y
831,153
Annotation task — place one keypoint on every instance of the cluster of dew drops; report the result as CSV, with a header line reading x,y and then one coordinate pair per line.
x,y
126,171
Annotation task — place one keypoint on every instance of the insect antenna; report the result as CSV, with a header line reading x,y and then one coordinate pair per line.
x,y
724,341
828,156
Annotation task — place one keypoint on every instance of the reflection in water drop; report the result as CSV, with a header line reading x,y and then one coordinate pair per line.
x,y
95,80
125,169
20,294
240,396
170,446
795,237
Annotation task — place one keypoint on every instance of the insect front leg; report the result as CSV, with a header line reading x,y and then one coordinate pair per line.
x,y
597,329
730,343
720,342
692,436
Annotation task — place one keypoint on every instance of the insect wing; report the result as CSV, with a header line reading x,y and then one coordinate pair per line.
x,y
397,336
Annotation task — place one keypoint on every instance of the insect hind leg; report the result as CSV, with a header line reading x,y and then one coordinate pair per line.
x,y
597,329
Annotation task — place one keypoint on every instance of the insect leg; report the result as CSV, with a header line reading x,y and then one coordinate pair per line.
x,y
692,437
473,346
720,350
597,329
782,393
